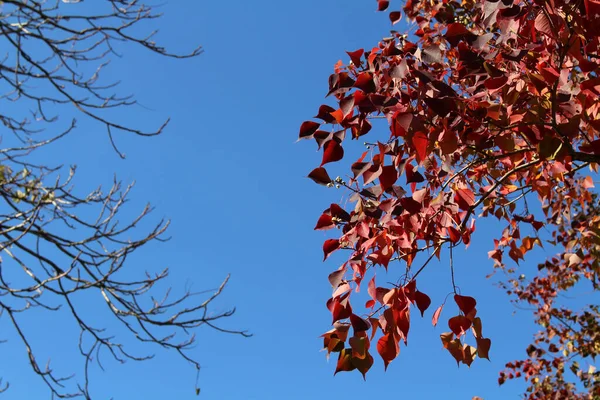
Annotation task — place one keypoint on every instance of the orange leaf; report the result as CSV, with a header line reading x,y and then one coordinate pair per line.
x,y
483,347
359,346
455,348
446,338
469,353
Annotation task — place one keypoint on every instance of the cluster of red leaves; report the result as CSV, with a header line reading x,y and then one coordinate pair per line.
x,y
495,102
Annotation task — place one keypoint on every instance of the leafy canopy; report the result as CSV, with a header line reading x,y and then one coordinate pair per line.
x,y
492,110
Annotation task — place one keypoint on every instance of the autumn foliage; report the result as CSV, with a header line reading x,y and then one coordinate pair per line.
x,y
492,109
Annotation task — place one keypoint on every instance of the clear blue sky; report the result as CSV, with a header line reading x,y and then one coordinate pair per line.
x,y
232,179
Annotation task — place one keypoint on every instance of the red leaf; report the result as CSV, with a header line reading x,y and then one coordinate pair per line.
x,y
459,324
338,212
413,176
370,304
464,198
456,32
365,82
420,142
340,309
388,348
395,17
441,106
436,315
382,5
320,176
359,324
410,289
345,361
423,301
359,168
454,234
325,222
402,121
388,177
355,56
363,364
466,304
307,129
494,84
329,247
325,113
332,152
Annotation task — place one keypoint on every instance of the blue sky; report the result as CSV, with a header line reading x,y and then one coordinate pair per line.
x,y
232,179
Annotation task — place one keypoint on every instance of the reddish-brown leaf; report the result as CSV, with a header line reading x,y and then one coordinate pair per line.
x,y
395,17
469,353
483,347
340,308
359,345
320,176
420,142
325,113
363,364
454,234
388,177
359,324
465,303
423,302
493,84
325,222
476,328
338,212
365,82
456,32
455,347
344,361
464,198
329,247
459,325
382,5
412,175
355,56
388,348
332,151
446,338
307,129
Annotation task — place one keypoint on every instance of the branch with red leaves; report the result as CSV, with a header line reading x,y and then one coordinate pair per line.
x,y
491,108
